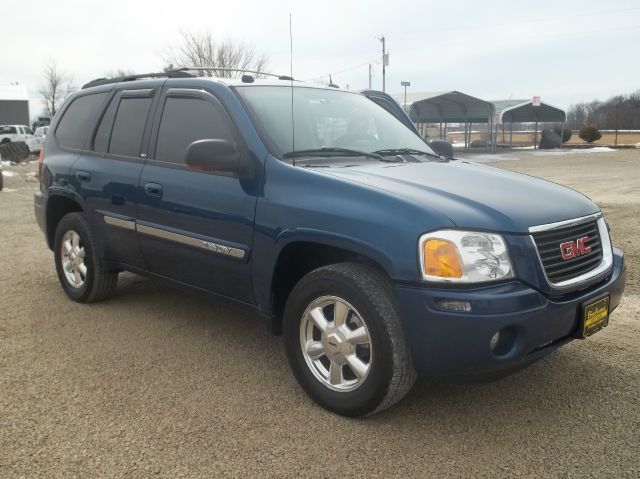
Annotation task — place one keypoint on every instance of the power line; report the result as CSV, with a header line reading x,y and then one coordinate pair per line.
x,y
493,26
360,65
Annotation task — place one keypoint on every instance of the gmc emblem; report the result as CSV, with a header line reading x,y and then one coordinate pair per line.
x,y
573,249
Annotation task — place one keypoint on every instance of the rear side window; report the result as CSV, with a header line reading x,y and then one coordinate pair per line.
x,y
101,141
131,117
185,120
78,121
7,130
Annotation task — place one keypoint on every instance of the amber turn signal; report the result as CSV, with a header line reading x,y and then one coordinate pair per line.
x,y
441,259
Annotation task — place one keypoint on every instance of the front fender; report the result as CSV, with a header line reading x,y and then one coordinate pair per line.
x,y
267,251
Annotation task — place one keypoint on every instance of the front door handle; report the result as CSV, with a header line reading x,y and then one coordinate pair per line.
x,y
153,189
83,175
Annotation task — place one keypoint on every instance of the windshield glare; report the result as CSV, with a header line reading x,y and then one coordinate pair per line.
x,y
326,118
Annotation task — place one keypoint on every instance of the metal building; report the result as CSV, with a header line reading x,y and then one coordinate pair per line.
x,y
14,105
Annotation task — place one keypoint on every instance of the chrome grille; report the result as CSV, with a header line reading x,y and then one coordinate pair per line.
x,y
558,269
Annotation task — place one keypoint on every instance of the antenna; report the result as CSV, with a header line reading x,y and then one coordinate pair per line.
x,y
293,128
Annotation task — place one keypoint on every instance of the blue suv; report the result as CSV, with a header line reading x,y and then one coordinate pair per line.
x,y
375,256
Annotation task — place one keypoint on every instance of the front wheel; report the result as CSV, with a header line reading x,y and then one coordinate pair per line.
x,y
344,340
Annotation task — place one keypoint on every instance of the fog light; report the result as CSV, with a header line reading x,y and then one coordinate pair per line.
x,y
504,342
494,341
453,305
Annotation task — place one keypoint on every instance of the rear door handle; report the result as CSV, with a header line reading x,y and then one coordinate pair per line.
x,y
83,175
153,189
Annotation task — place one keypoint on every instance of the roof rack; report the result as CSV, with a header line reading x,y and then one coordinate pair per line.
x,y
242,70
181,73
168,74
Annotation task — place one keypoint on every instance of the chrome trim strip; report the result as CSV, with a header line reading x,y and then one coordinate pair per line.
x,y
192,241
600,271
562,224
120,223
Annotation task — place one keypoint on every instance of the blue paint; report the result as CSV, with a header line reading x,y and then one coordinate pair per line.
x,y
375,209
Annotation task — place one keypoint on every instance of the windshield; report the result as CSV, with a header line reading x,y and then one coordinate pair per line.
x,y
326,119
7,130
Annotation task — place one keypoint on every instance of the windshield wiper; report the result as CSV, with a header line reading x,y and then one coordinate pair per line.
x,y
330,151
404,151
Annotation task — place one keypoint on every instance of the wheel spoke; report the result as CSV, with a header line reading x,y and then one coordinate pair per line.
x,y
68,246
319,318
356,364
335,373
358,336
81,253
340,312
66,265
83,269
315,349
77,277
75,240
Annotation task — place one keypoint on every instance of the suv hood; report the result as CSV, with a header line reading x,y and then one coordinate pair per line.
x,y
473,196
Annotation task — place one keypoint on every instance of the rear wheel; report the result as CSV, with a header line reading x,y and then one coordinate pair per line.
x,y
82,275
344,340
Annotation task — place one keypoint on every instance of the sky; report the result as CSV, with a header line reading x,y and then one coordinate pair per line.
x,y
565,52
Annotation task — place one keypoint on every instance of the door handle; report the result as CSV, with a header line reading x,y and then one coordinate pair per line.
x,y
83,175
153,189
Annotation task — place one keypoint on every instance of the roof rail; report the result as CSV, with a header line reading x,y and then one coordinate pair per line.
x,y
241,70
168,74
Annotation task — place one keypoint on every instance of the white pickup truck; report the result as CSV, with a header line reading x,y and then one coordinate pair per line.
x,y
16,133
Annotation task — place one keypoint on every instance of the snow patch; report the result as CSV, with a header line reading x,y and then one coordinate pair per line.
x,y
8,174
8,190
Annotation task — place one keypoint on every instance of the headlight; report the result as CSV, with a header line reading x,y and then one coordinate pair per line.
x,y
464,257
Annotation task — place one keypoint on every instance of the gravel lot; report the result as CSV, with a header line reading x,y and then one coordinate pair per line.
x,y
159,381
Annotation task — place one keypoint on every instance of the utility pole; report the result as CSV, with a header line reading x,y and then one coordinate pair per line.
x,y
385,61
369,76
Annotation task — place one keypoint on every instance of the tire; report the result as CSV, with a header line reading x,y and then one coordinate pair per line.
x,y
388,372
1,180
97,282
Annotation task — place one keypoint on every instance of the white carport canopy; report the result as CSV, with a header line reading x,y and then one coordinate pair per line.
x,y
447,107
523,111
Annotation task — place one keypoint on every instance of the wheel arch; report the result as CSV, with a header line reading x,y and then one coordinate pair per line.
x,y
301,255
58,206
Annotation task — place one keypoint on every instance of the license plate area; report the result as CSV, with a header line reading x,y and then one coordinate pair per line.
x,y
594,315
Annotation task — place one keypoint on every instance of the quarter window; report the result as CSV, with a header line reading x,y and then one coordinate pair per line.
x,y
126,136
185,120
78,121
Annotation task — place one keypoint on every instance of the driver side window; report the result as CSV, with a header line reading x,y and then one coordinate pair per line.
x,y
185,120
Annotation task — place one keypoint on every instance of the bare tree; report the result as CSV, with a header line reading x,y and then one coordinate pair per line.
x,y
201,49
55,88
618,112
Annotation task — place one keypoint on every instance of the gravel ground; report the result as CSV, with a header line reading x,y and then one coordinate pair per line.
x,y
157,381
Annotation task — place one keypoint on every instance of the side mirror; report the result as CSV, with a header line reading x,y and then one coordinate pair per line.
x,y
441,147
217,155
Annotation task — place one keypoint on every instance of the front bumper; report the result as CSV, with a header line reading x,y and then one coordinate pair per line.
x,y
455,343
